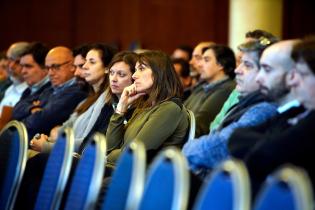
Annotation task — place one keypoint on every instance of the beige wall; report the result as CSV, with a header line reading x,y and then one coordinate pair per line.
x,y
246,15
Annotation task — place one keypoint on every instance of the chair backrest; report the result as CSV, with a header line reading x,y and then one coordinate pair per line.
x,y
127,182
167,184
13,156
287,188
88,175
227,188
56,172
192,127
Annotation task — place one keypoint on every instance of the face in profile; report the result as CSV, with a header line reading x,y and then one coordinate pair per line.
x,y
272,76
303,85
79,61
94,69
143,77
246,73
119,77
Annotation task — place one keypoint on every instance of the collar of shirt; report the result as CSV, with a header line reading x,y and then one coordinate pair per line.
x,y
289,105
64,85
38,85
207,87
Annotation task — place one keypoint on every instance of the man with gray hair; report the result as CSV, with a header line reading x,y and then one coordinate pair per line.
x,y
13,94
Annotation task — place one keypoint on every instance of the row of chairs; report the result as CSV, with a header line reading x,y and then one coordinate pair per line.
x,y
165,185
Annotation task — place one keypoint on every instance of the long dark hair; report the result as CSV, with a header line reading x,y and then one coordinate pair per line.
x,y
166,83
106,52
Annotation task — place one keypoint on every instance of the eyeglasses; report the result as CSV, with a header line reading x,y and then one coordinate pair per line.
x,y
56,67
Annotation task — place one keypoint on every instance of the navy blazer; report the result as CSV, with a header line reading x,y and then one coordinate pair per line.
x,y
56,108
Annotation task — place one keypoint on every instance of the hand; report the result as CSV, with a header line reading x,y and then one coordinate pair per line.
x,y
36,109
128,96
37,143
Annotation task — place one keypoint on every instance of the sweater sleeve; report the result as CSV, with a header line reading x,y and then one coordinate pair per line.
x,y
209,150
115,131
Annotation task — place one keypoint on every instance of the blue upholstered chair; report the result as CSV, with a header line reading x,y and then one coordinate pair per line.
x,y
192,127
56,173
287,188
13,156
167,184
88,175
127,182
227,188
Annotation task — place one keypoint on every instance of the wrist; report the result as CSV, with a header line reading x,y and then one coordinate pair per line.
x,y
120,112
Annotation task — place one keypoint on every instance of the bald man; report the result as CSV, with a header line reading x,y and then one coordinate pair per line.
x,y
55,104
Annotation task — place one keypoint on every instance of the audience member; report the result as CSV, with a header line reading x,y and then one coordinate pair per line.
x,y
5,81
14,92
182,69
35,75
233,98
218,73
196,60
79,54
159,119
183,52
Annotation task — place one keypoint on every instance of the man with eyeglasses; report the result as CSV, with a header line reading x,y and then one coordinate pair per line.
x,y
288,137
55,104
35,75
14,92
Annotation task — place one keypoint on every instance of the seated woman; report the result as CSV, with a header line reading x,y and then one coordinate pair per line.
x,y
101,108
159,119
94,113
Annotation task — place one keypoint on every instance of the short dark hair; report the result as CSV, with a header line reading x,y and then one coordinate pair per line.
x,y
187,49
39,51
185,68
305,51
107,52
225,57
82,50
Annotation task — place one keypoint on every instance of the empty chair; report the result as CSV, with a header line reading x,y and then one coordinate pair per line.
x,y
287,188
13,156
88,175
192,127
56,172
127,182
228,187
167,184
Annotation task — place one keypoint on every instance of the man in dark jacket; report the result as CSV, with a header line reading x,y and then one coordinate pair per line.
x,y
55,104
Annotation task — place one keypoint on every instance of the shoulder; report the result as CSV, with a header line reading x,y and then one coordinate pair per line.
x,y
263,108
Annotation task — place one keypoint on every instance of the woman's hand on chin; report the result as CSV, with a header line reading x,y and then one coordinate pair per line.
x,y
128,96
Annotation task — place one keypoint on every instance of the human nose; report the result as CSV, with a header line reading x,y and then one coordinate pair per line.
x,y
259,78
135,75
238,69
